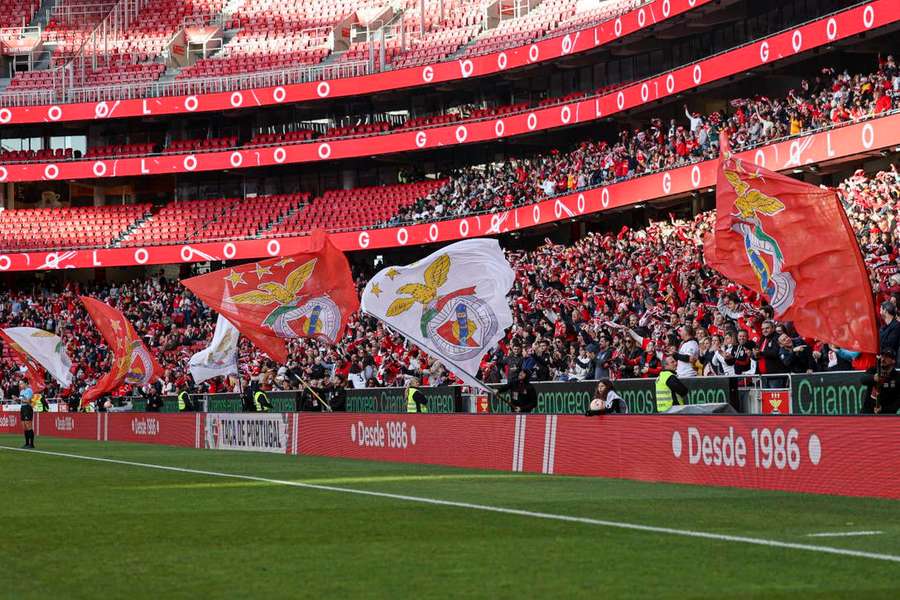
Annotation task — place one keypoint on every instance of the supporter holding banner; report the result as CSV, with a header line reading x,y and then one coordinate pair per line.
x,y
44,348
308,295
220,357
452,303
793,242
131,363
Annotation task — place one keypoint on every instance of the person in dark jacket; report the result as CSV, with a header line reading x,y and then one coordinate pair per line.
x,y
769,353
884,386
523,395
794,354
889,334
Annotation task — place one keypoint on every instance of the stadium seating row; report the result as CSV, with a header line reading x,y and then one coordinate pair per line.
x,y
277,35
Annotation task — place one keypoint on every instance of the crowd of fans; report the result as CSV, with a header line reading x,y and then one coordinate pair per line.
x,y
606,306
829,99
609,305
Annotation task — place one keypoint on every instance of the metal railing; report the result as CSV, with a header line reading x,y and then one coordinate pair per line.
x,y
304,74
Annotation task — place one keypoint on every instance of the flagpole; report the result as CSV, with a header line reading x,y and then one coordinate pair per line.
x,y
313,392
434,353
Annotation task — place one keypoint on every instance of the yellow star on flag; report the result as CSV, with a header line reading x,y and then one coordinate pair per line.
x,y
235,278
261,270
376,290
284,262
116,327
392,272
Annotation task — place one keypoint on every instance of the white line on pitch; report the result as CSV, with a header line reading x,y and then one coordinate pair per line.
x,y
486,508
844,533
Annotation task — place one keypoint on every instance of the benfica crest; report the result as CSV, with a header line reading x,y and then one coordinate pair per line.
x,y
138,364
763,251
458,322
294,315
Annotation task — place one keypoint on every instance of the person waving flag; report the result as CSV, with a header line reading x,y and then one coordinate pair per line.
x,y
792,242
132,362
308,295
452,304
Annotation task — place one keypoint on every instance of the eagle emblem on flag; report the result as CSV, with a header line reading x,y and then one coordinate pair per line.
x,y
457,322
295,316
763,251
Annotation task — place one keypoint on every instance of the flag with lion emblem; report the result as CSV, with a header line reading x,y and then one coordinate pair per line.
x,y
308,295
792,242
452,304
220,357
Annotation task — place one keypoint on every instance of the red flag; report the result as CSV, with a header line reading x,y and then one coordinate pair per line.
x,y
132,362
793,242
310,294
33,371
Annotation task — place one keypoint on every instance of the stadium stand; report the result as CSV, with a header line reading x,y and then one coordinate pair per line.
x,y
61,228
17,13
829,99
354,208
206,220
207,145
277,35
657,284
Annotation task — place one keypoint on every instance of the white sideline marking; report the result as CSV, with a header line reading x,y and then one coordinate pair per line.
x,y
844,533
486,508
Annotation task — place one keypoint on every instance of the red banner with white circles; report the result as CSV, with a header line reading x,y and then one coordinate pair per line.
x,y
830,145
477,66
769,50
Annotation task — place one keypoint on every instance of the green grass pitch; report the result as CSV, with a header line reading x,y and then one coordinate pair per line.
x,y
75,528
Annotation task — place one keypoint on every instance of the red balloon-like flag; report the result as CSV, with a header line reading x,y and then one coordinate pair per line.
x,y
132,362
793,242
309,294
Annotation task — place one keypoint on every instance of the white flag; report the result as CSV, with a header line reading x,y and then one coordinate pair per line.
x,y
220,358
452,304
45,348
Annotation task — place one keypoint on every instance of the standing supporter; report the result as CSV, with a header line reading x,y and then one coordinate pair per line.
x,y
688,352
889,334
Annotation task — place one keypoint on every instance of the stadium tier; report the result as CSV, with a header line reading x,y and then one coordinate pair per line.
x,y
117,51
29,229
229,218
830,99
649,278
17,13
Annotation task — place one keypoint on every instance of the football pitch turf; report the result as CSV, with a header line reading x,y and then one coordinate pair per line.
x,y
268,526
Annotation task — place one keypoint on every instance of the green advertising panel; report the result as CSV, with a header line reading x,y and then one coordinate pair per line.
x,y
446,399
574,397
840,393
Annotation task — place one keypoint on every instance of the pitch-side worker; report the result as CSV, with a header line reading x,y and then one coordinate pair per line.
x,y
26,413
